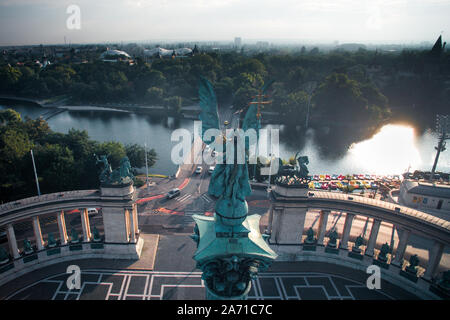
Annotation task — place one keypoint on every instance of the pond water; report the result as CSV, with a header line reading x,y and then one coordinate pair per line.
x,y
390,151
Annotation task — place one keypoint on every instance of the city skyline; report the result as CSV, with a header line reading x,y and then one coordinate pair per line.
x,y
25,22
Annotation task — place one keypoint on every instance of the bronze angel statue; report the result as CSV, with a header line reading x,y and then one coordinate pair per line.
x,y
230,180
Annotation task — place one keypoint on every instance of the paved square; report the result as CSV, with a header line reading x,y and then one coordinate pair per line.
x,y
157,285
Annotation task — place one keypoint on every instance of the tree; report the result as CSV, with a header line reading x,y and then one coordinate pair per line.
x,y
114,150
136,154
154,95
9,76
340,98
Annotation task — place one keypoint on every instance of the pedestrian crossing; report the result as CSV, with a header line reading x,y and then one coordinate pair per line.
x,y
206,198
184,198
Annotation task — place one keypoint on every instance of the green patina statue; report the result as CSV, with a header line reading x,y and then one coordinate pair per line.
x,y
96,235
27,248
384,250
121,175
310,236
230,248
295,177
106,171
4,257
358,242
303,169
413,263
51,240
75,238
332,242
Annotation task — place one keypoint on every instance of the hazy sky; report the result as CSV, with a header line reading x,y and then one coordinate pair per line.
x,y
367,21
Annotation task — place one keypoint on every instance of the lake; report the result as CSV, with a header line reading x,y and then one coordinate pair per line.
x,y
390,151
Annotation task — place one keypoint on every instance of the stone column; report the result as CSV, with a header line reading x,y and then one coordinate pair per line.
x,y
434,258
38,233
373,237
62,228
136,220
288,225
346,233
401,247
12,241
85,225
127,224
322,228
132,225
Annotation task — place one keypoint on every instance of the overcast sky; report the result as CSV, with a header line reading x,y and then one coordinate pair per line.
x,y
365,21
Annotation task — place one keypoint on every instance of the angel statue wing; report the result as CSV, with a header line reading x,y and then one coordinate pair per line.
x,y
208,104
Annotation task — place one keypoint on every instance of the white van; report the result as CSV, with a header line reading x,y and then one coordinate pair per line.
x,y
92,211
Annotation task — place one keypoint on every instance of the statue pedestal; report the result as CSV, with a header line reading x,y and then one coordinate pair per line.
x,y
230,260
355,255
409,275
381,263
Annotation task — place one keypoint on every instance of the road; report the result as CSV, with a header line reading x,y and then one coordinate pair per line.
x,y
173,216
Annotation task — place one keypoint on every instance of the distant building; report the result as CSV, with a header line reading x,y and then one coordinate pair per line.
x,y
167,53
238,42
425,196
352,46
115,56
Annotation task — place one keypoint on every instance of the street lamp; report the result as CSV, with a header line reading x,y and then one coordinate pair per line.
x,y
146,166
35,173
442,128
310,87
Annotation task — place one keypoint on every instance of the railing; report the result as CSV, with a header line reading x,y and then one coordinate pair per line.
x,y
13,205
287,223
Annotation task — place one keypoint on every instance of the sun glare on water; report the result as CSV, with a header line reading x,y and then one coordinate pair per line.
x,y
392,150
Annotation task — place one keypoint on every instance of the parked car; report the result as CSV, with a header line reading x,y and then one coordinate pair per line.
x,y
332,186
92,211
211,169
198,170
334,177
173,193
327,177
315,177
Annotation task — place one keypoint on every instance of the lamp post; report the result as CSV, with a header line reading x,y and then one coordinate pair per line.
x,y
146,166
270,171
442,127
310,87
35,173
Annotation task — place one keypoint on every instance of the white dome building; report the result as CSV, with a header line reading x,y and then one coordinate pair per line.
x,y
167,52
114,56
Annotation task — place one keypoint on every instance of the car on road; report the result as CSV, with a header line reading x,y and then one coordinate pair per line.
x,y
173,193
211,169
92,211
198,170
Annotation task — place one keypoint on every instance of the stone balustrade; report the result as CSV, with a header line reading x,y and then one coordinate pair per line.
x,y
119,223
289,207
